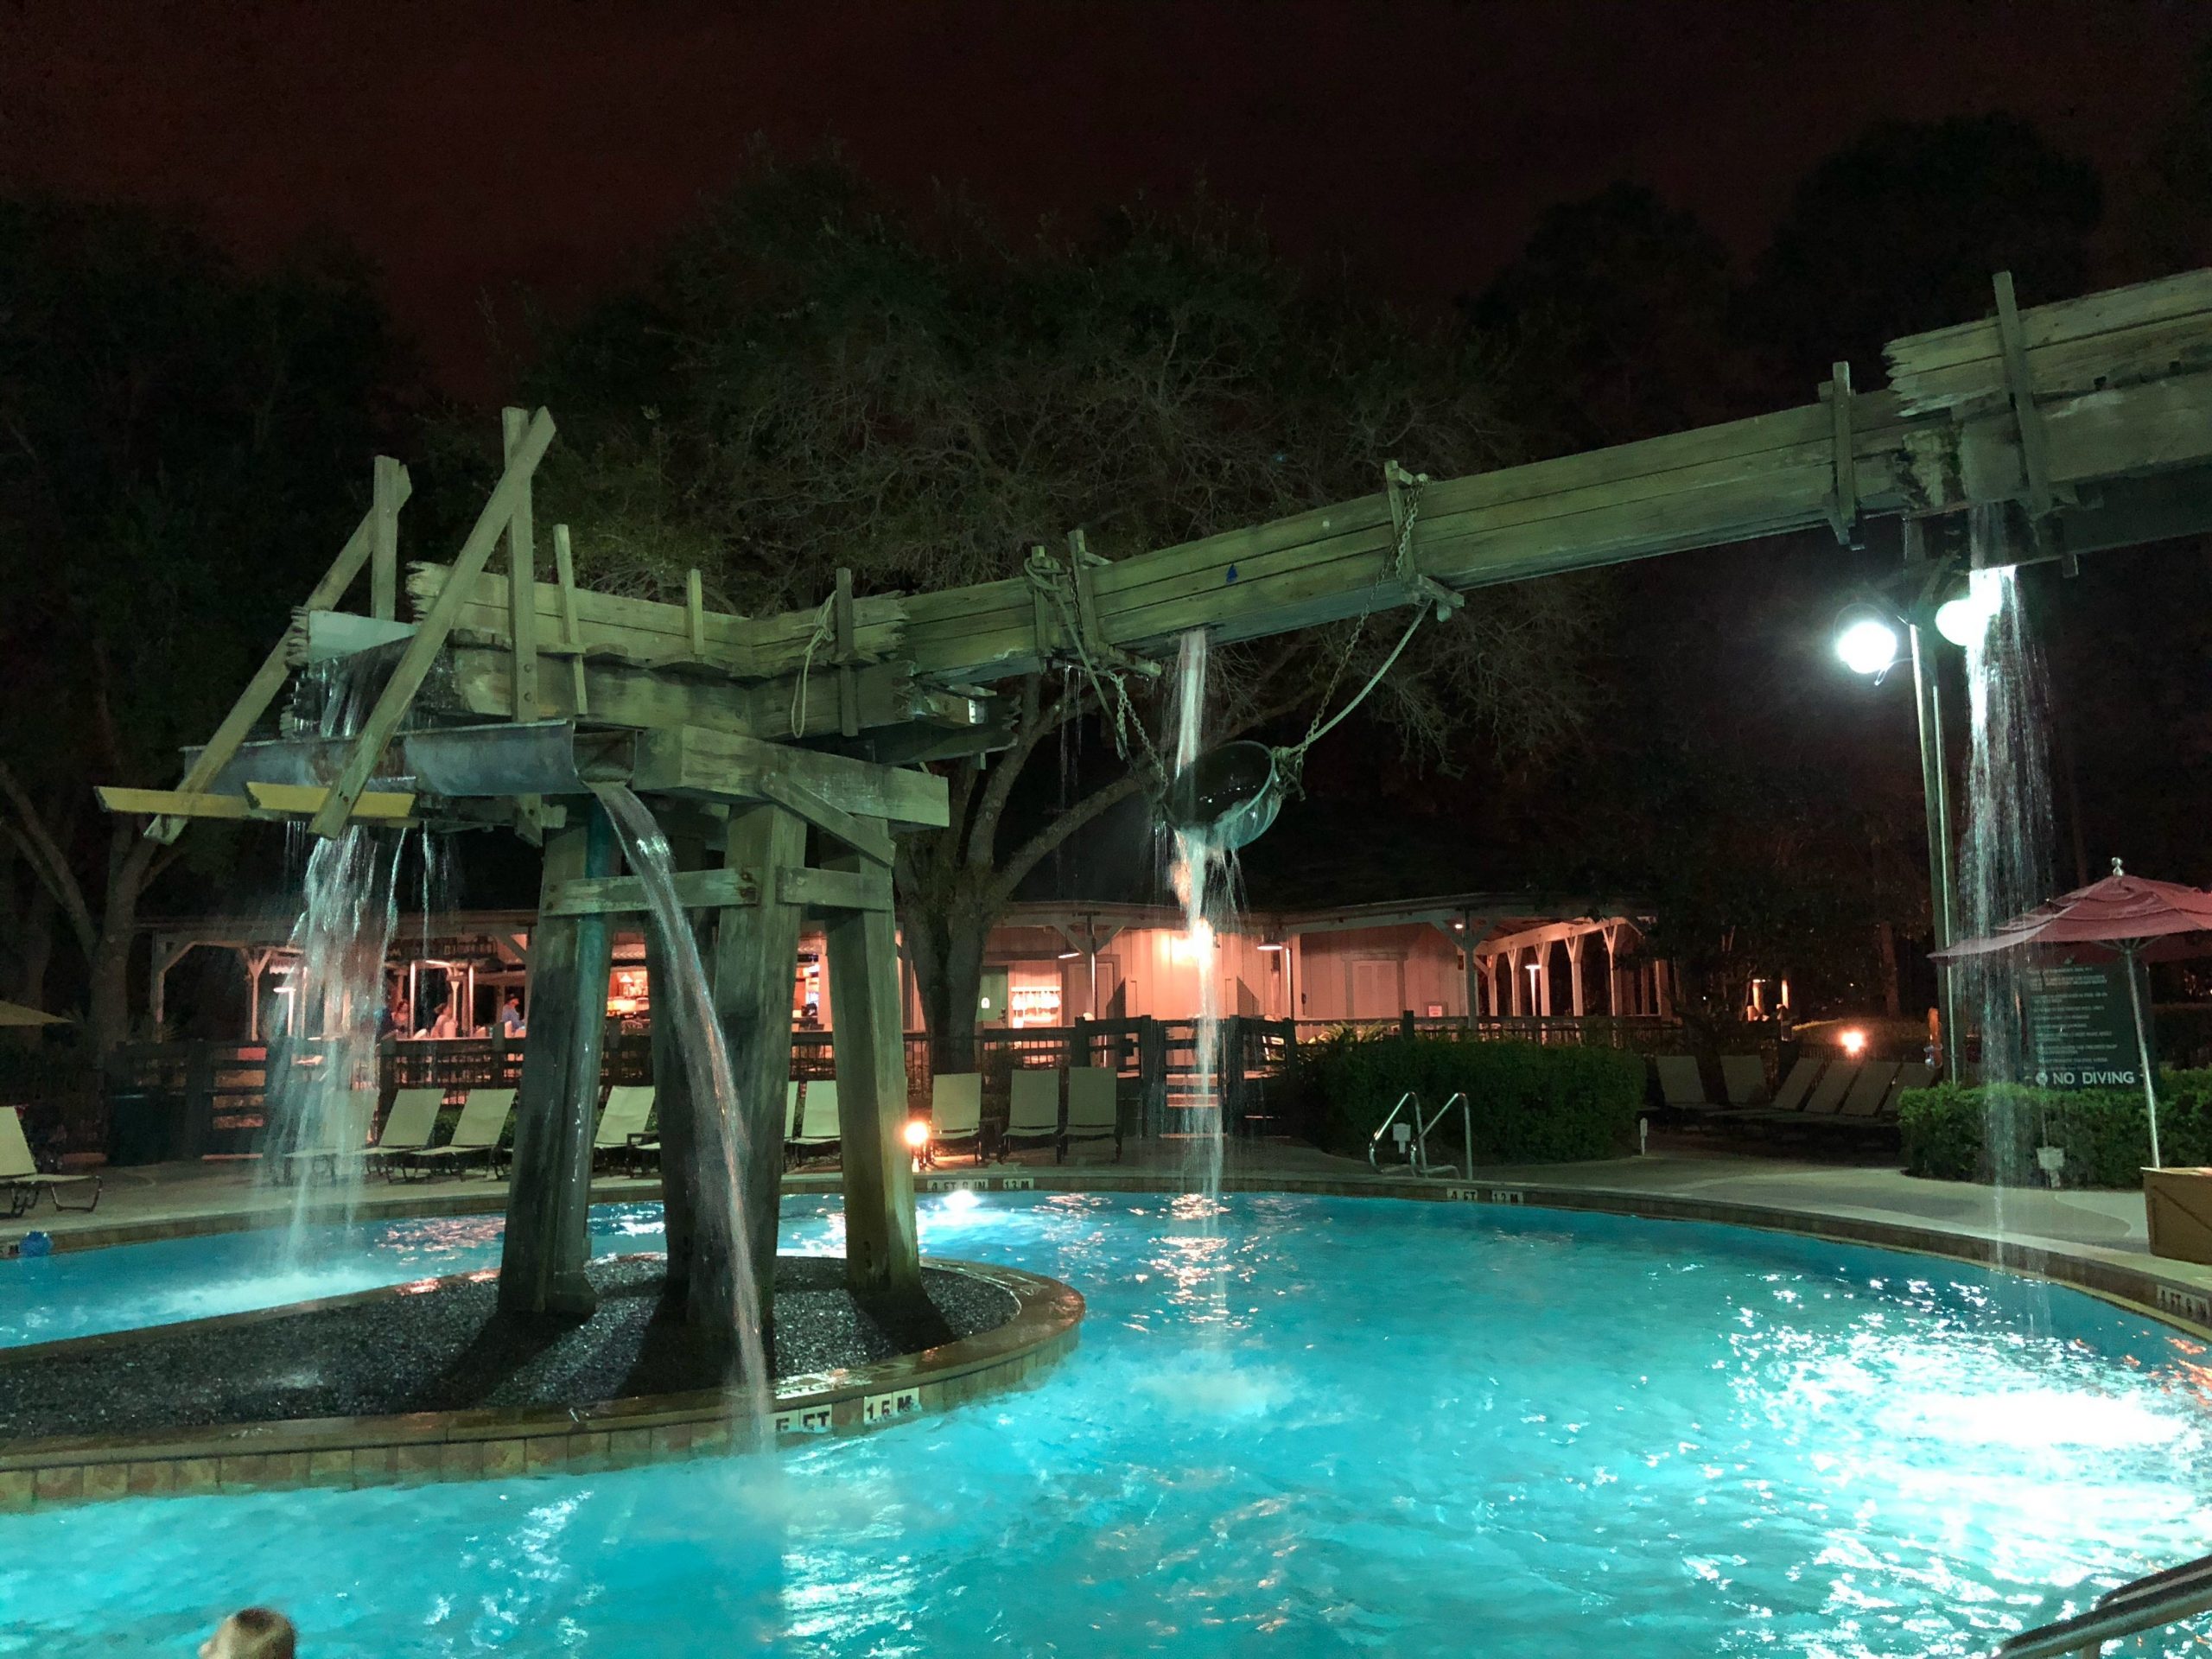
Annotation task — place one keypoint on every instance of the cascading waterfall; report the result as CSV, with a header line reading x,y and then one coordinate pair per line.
x,y
1201,871
722,1157
322,1077
2006,860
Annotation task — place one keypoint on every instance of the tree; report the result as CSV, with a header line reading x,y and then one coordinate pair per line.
x,y
1901,231
178,445
810,382
1615,324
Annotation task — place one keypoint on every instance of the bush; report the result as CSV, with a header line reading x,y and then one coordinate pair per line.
x,y
1531,1103
1956,1132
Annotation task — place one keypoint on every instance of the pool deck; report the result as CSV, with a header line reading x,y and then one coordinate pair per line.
x,y
1680,1177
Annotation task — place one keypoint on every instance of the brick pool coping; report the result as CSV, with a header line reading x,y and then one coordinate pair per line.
x,y
496,1443
486,1445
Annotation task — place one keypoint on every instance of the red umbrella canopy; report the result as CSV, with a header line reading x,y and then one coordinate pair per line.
x,y
2120,910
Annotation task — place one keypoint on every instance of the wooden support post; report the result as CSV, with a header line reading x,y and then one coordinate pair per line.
x,y
414,666
1843,501
549,1199
522,574
572,633
388,488
756,950
868,1040
694,614
676,1111
1577,993
840,615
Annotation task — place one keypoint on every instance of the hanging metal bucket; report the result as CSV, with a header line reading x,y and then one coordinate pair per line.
x,y
1227,797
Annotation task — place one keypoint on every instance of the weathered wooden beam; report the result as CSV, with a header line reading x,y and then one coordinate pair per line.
x,y
833,889
521,619
615,895
389,488
572,633
276,668
651,632
867,1038
864,836
429,638
624,693
260,801
305,800
694,761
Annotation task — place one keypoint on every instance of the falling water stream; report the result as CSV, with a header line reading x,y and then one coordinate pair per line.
x,y
322,1079
2006,859
1202,871
720,1150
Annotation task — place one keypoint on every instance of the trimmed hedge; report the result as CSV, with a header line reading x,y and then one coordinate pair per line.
x,y
1532,1102
1961,1133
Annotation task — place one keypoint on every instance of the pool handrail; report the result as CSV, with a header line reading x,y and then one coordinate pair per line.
x,y
2149,1603
1417,1150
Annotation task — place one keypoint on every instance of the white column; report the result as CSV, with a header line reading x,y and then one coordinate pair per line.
x,y
1574,973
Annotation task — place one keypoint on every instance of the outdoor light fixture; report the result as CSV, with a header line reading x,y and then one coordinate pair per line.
x,y
1867,640
1272,944
1965,620
918,1133
1069,955
1854,1043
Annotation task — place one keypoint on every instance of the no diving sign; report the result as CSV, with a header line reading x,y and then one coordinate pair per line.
x,y
2080,1027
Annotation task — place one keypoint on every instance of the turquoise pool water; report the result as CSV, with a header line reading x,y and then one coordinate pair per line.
x,y
1334,1427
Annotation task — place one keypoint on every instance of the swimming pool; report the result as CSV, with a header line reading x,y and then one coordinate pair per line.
x,y
1333,1425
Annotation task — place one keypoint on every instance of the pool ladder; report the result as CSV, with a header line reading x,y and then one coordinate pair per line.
x,y
2146,1603
1412,1134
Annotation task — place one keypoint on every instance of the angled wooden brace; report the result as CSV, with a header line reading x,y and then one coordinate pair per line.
x,y
393,489
430,634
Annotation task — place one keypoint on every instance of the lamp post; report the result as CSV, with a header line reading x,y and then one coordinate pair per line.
x,y
1869,638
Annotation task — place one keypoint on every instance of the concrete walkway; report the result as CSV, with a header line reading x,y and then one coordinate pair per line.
x,y
168,1198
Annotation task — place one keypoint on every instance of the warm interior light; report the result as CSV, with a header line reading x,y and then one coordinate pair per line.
x,y
1965,620
918,1133
1867,644
1854,1042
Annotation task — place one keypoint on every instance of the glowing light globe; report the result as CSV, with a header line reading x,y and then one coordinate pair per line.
x,y
1964,621
1867,645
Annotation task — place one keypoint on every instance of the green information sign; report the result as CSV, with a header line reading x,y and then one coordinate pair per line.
x,y
2080,1027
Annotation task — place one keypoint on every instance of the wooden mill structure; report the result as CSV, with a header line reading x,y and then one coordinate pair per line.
x,y
782,753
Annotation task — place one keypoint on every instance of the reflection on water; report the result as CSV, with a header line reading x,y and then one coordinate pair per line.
x,y
1418,1429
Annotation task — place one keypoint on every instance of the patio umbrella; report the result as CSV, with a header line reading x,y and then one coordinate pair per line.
x,y
2124,913
15,1013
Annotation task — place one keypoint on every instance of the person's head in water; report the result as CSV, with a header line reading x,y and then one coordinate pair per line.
x,y
251,1633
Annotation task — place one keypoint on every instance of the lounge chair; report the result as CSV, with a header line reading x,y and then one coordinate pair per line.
x,y
1033,1109
1790,1097
484,1115
1094,1107
1681,1085
25,1181
408,1127
622,1121
1828,1094
818,1126
342,1139
1869,1090
956,1113
1743,1078
1913,1074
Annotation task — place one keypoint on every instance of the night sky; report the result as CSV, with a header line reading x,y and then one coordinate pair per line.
x,y
471,148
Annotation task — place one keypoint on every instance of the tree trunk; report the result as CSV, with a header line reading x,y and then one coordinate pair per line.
x,y
31,939
131,869
1885,946
947,953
